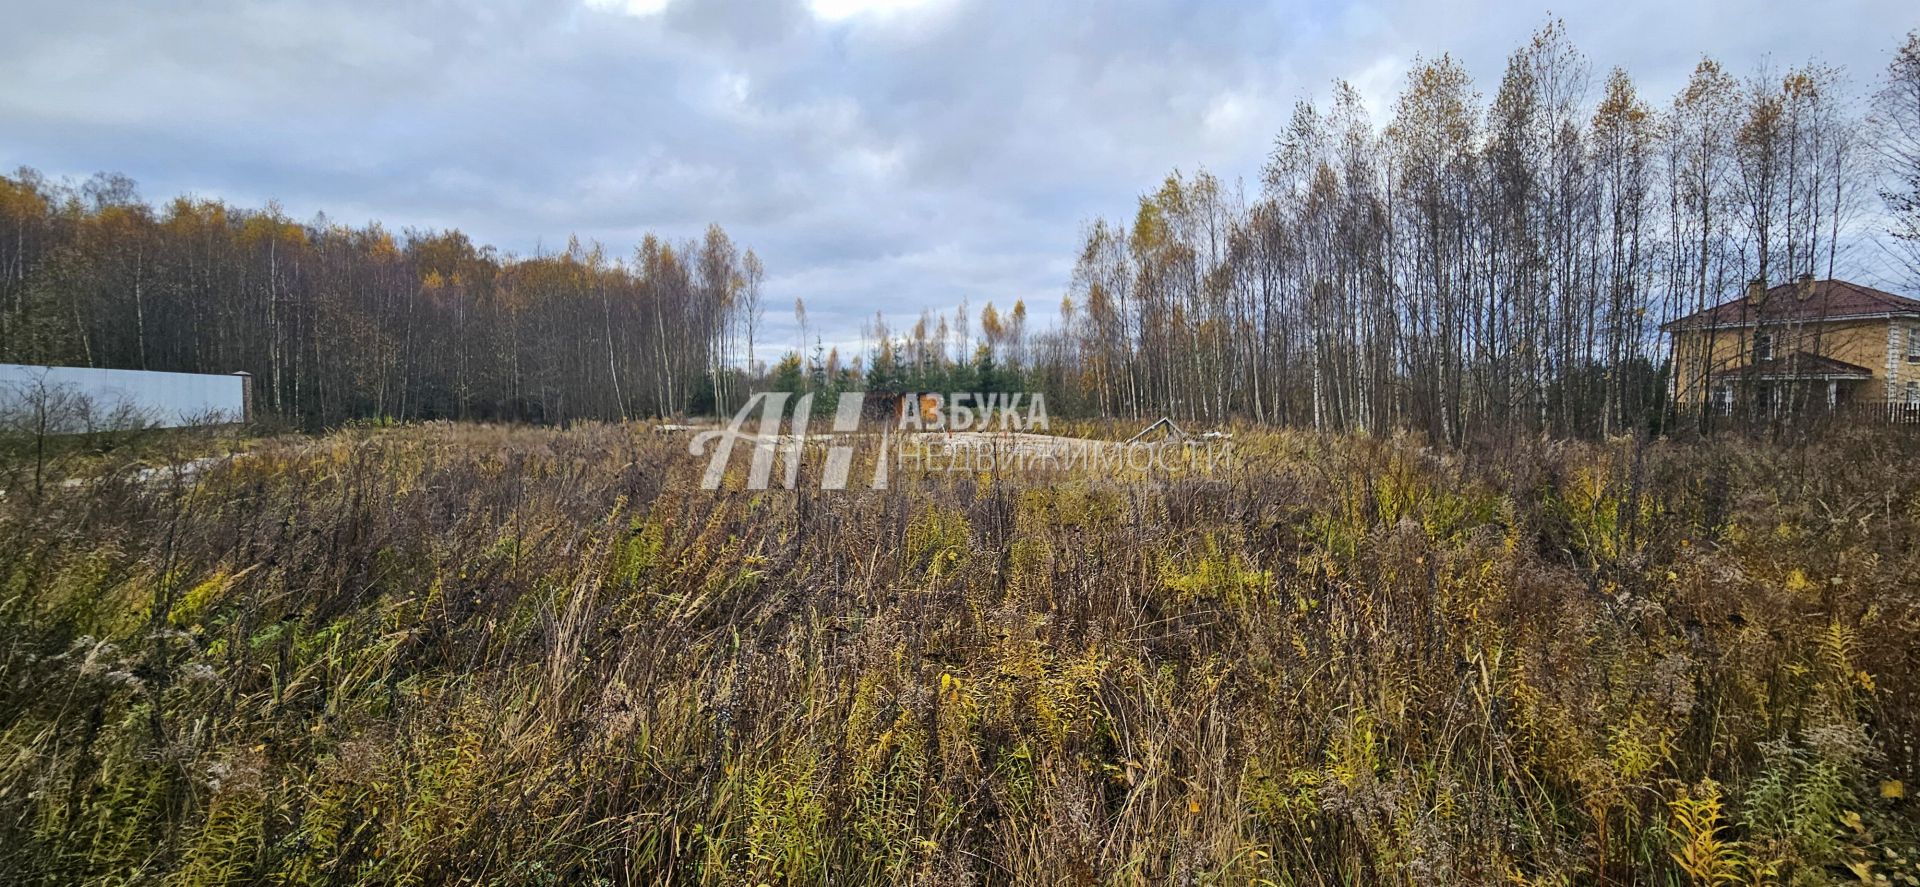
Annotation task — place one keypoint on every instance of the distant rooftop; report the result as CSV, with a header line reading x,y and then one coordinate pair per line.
x,y
1801,300
1803,365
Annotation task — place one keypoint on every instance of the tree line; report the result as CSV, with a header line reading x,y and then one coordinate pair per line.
x,y
336,322
1471,267
1481,267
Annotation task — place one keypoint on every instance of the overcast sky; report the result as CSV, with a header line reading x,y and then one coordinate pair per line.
x,y
884,155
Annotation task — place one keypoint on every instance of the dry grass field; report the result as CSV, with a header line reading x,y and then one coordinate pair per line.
x,y
455,653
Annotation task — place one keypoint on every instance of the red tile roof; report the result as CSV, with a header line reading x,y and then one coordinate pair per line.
x,y
1825,300
1801,365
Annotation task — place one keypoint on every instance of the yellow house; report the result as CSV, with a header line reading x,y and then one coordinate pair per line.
x,y
1808,345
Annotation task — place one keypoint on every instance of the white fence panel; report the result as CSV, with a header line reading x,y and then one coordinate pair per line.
x,y
75,399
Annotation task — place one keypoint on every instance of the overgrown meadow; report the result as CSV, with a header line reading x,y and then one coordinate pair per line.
x,y
451,653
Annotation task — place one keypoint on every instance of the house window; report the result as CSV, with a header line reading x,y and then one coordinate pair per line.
x,y
1725,397
1913,394
1913,344
1763,346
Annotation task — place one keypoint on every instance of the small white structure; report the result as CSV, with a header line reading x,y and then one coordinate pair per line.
x,y
66,400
